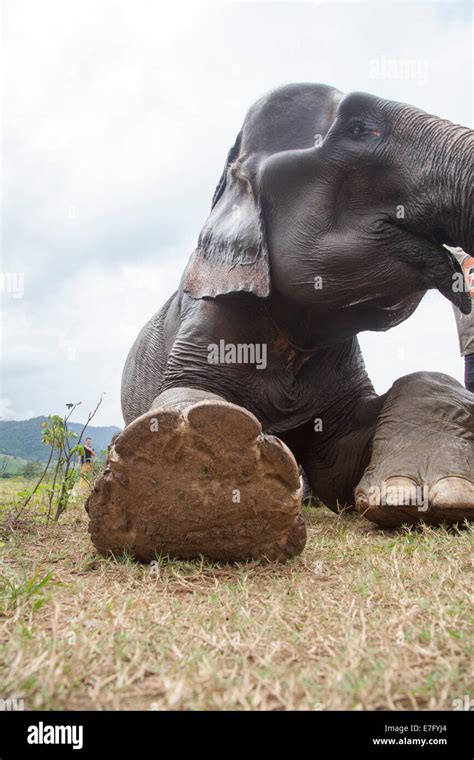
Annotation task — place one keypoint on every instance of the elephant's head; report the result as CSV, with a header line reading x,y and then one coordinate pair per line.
x,y
232,253
340,203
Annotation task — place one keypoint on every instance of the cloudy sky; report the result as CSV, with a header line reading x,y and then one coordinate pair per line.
x,y
116,120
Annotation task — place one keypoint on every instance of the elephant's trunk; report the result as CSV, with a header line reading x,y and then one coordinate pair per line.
x,y
445,155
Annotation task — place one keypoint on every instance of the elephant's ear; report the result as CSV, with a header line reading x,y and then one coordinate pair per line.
x,y
231,255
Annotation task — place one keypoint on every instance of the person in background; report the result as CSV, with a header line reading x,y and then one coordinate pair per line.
x,y
86,458
465,322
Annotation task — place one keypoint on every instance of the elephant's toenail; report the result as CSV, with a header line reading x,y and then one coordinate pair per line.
x,y
400,491
453,491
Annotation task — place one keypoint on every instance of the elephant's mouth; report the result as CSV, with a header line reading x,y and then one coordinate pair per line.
x,y
379,302
430,251
439,234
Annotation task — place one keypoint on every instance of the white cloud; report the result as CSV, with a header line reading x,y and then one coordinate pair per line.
x,y
7,411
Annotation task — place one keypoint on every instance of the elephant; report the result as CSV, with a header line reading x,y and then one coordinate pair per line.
x,y
332,216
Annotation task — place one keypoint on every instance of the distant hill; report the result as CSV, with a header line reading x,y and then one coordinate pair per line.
x,y
22,438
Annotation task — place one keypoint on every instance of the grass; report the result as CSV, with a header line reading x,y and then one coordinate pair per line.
x,y
363,619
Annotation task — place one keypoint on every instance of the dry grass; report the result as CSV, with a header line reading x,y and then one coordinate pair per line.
x,y
364,619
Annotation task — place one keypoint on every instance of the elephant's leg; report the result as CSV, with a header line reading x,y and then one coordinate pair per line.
x,y
334,448
195,476
192,472
422,461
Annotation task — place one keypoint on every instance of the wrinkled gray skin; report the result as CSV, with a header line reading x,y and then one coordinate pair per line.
x,y
367,211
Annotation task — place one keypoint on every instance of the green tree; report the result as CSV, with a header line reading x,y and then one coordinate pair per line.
x,y
64,448
31,470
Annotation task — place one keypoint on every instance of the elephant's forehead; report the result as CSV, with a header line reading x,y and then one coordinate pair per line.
x,y
289,118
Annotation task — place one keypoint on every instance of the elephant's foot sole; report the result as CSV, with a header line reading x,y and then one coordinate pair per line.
x,y
203,481
402,500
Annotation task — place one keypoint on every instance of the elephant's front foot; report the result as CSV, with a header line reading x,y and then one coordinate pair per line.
x,y
198,479
422,463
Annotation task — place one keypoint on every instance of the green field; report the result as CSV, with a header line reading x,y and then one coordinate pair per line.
x,y
363,619
11,465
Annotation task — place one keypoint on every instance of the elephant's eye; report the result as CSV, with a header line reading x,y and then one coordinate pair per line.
x,y
358,129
